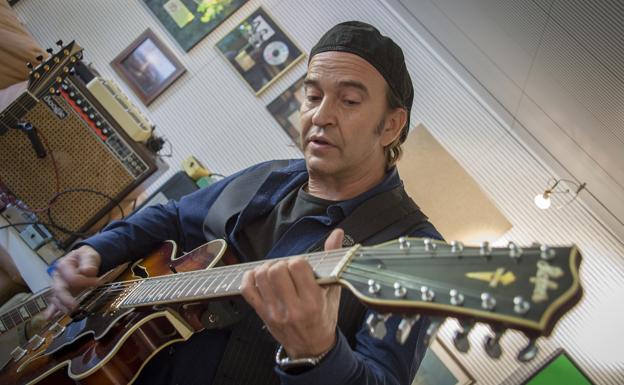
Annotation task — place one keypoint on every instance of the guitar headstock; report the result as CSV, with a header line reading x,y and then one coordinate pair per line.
x,y
527,289
48,75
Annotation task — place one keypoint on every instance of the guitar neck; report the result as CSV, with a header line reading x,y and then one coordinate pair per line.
x,y
16,110
24,311
221,282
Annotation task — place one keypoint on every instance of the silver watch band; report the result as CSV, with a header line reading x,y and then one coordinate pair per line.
x,y
285,362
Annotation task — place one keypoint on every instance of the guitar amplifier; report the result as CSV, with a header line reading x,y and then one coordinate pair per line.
x,y
86,149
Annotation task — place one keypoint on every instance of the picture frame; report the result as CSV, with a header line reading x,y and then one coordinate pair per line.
x,y
259,50
189,21
147,66
285,110
440,367
558,368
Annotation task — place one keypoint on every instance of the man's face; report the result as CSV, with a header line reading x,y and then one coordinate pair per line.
x,y
344,105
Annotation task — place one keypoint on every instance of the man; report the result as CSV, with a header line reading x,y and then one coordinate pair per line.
x,y
355,116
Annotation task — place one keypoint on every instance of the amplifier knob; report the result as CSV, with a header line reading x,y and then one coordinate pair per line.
x,y
98,124
92,116
85,108
105,131
72,94
79,102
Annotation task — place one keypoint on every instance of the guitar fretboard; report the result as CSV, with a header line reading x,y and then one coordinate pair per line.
x,y
24,312
217,282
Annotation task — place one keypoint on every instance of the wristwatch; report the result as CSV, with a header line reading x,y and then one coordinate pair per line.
x,y
296,365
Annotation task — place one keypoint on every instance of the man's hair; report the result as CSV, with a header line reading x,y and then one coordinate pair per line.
x,y
393,151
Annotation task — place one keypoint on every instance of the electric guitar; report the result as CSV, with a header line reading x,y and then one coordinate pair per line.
x,y
44,79
21,313
121,325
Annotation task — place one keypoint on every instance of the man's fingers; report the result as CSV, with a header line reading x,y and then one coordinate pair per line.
x,y
284,288
250,293
88,266
50,312
75,278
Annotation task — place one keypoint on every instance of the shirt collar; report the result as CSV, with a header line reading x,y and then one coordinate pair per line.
x,y
390,181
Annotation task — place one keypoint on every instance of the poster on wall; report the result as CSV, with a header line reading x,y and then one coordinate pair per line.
x,y
285,109
259,51
148,66
189,21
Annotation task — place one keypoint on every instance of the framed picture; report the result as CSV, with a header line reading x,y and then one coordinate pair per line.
x,y
285,109
259,51
148,66
559,368
189,21
440,367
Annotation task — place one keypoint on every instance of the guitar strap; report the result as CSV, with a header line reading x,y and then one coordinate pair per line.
x,y
249,354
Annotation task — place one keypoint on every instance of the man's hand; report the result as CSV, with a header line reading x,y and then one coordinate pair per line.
x,y
300,314
74,272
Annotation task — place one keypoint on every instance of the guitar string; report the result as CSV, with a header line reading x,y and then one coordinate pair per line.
x,y
390,279
212,274
324,257
218,271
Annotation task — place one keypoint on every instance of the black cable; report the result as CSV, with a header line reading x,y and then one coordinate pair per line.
x,y
71,232
53,223
44,224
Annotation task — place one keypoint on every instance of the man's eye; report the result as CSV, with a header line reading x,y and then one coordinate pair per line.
x,y
313,98
351,102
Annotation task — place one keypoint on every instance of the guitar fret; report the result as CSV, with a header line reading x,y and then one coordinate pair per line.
x,y
238,274
213,280
41,303
24,313
203,281
151,289
222,285
183,287
172,287
136,293
195,281
159,290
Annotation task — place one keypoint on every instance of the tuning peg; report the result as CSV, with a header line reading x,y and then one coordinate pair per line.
x,y
376,324
460,340
50,51
486,249
29,65
59,43
433,328
546,253
492,343
404,243
529,352
39,58
429,245
457,247
405,328
515,252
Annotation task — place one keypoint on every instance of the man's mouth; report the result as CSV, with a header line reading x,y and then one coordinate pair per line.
x,y
319,141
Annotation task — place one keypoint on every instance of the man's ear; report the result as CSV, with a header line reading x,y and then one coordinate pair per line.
x,y
393,125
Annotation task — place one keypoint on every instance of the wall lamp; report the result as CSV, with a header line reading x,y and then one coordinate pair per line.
x,y
543,201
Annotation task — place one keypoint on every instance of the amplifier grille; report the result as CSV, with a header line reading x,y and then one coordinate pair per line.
x,y
83,161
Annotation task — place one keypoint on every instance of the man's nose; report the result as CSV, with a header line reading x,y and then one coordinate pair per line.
x,y
325,113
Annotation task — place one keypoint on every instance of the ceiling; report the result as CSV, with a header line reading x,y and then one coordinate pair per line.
x,y
553,71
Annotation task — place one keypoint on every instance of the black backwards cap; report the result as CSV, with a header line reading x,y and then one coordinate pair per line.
x,y
380,51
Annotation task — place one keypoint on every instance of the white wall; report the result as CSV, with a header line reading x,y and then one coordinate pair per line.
x,y
212,114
